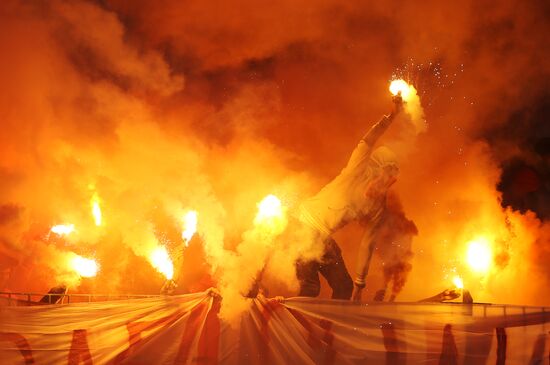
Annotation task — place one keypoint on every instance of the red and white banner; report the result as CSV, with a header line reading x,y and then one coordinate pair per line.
x,y
186,330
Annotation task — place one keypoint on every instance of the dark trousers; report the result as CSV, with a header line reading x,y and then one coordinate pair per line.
x,y
333,269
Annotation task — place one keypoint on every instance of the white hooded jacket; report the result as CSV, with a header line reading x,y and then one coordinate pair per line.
x,y
357,193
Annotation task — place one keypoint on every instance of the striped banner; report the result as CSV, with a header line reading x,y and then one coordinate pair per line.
x,y
187,330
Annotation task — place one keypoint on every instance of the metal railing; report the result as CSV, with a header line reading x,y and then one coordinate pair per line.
x,y
35,298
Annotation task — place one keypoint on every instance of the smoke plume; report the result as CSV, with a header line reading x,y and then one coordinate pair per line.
x,y
155,109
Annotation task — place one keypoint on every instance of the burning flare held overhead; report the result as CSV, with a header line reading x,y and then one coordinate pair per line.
x,y
190,221
412,102
86,268
479,255
160,259
401,86
63,229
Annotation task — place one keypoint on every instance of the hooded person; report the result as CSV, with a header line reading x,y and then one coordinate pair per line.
x,y
358,193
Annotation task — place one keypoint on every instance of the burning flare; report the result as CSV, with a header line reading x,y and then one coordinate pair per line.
x,y
401,86
270,220
479,255
457,281
162,262
189,226
84,267
268,209
96,210
62,229
412,103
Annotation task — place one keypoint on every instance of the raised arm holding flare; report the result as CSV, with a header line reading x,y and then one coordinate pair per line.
x,y
376,131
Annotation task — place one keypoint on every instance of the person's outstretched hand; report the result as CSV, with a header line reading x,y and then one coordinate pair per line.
x,y
397,104
450,294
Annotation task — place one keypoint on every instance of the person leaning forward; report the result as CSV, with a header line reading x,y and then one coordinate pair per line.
x,y
358,193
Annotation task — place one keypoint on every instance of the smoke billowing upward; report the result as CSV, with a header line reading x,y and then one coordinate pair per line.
x,y
158,108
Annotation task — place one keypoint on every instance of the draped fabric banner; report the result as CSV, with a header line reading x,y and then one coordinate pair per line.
x,y
187,330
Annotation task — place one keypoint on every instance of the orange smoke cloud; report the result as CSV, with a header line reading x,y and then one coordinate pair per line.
x,y
186,104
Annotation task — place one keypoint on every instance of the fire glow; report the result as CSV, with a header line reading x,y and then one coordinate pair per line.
x,y
269,208
86,268
160,259
63,229
96,210
412,103
190,221
479,255
270,219
458,283
401,86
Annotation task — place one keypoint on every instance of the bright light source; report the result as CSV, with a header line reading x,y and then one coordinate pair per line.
x,y
457,281
85,267
479,255
162,262
62,229
400,86
270,207
190,221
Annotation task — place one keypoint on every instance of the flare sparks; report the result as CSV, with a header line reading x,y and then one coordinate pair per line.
x,y
412,103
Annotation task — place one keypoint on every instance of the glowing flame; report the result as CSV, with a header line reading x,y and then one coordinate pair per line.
x,y
401,86
62,229
412,104
162,262
457,281
270,219
96,210
189,226
85,267
479,255
269,209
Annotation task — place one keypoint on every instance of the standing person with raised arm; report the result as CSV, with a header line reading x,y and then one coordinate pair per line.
x,y
358,193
